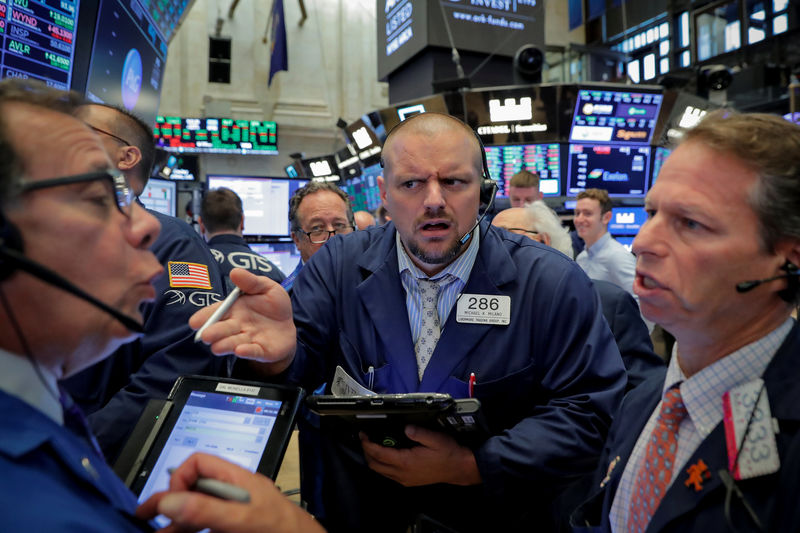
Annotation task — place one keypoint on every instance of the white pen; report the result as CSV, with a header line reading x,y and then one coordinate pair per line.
x,y
221,310
219,489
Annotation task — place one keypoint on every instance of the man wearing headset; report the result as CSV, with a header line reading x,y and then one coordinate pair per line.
x,y
715,444
400,308
74,270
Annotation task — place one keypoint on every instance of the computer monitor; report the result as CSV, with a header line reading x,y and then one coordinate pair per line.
x,y
37,40
659,157
160,195
363,190
626,220
606,115
544,159
627,242
127,60
265,201
284,255
621,170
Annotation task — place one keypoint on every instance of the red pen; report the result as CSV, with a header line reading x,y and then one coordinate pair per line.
x,y
471,384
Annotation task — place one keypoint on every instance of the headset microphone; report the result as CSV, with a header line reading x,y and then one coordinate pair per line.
x,y
12,259
792,273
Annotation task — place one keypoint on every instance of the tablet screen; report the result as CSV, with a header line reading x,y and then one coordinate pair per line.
x,y
236,428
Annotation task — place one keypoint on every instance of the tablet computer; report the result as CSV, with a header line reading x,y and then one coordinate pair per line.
x,y
383,417
247,423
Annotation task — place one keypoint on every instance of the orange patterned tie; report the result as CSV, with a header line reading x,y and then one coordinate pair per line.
x,y
656,471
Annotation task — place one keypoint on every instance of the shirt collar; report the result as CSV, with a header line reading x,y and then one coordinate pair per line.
x,y
19,379
598,244
702,392
460,268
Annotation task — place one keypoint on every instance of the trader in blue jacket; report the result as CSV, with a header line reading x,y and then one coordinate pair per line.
x,y
222,222
713,444
61,311
519,317
115,391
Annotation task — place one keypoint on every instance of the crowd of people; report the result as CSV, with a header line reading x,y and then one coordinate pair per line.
x,y
588,429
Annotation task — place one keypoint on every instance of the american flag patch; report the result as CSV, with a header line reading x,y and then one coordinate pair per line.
x,y
192,275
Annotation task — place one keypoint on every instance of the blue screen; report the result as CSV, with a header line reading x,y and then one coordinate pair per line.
x,y
626,220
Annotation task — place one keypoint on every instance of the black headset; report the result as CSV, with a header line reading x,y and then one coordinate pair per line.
x,y
12,258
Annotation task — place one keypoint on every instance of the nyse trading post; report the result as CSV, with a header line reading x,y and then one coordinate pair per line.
x,y
38,40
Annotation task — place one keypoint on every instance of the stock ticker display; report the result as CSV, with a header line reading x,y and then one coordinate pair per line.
x,y
544,159
216,135
614,116
38,40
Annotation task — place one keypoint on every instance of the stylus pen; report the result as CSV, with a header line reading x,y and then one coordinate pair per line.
x,y
216,315
219,489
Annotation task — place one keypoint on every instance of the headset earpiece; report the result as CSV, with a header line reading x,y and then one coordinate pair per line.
x,y
488,185
10,239
792,290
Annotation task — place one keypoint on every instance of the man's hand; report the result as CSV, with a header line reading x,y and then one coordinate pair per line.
x,y
258,326
437,459
267,512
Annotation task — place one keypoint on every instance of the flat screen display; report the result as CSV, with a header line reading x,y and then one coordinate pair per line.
x,y
284,255
621,170
506,116
166,14
614,116
659,157
37,40
322,167
128,59
363,190
216,135
265,201
544,159
236,428
160,195
347,162
626,220
392,116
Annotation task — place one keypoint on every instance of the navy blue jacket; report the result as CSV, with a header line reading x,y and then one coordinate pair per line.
x,y
53,481
633,340
773,497
114,391
231,251
548,382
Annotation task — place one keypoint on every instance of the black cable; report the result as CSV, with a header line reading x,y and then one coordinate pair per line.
x,y
730,483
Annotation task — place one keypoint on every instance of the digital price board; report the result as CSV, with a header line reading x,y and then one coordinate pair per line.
x,y
216,135
363,190
166,14
618,116
544,159
38,40
621,170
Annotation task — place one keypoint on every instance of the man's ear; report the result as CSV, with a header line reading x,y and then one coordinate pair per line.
x,y
545,238
202,226
606,218
129,157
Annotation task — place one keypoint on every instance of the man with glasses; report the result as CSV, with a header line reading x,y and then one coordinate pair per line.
x,y
115,392
316,212
68,224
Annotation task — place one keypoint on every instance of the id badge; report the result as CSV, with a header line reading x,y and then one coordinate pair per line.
x,y
758,451
492,309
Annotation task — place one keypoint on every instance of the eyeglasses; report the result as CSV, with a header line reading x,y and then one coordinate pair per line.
x,y
319,236
522,230
104,132
123,194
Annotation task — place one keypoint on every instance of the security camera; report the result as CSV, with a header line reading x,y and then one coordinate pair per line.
x,y
716,77
528,63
